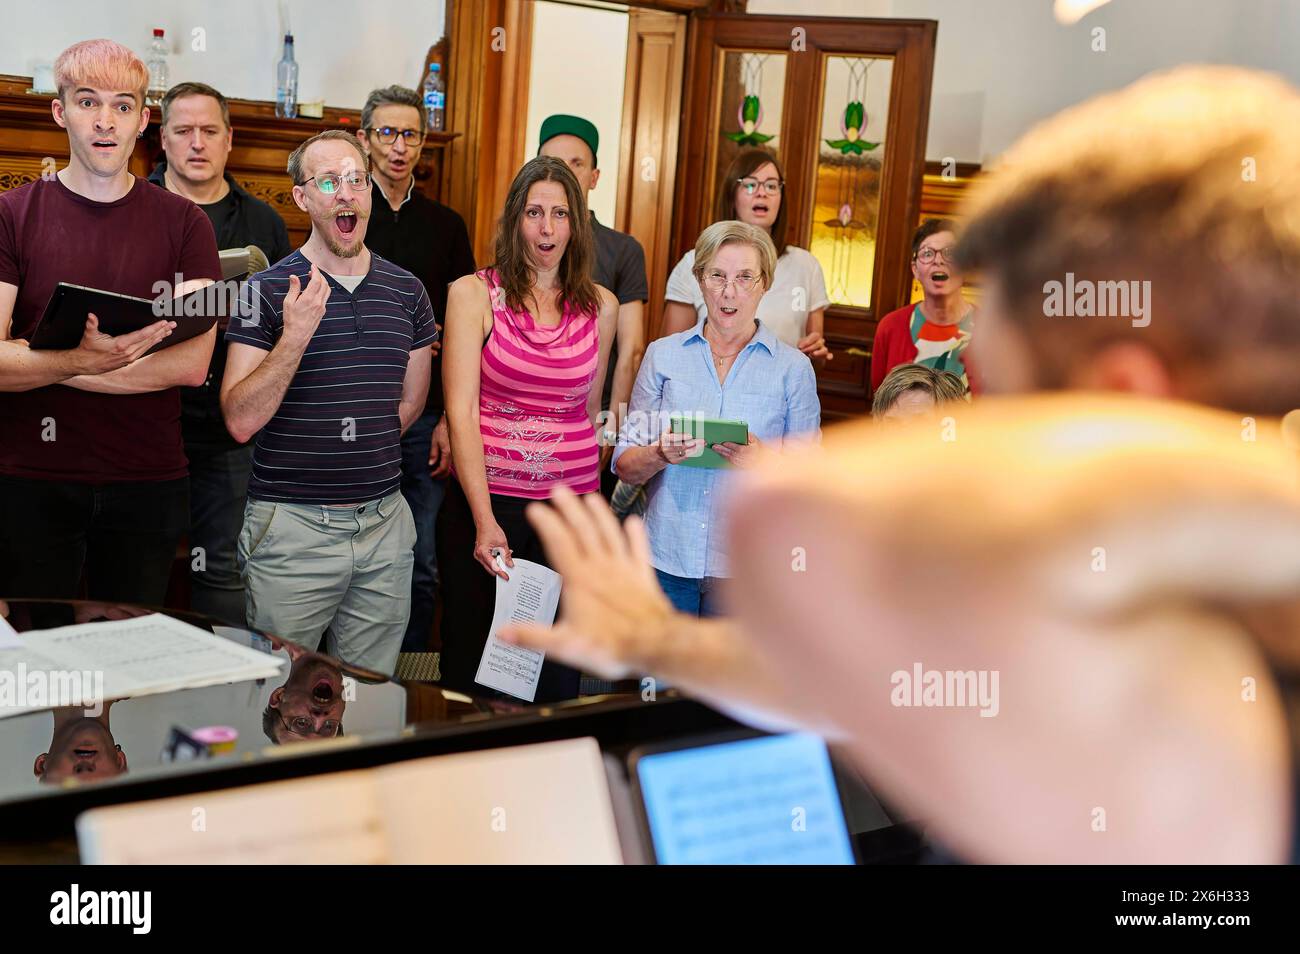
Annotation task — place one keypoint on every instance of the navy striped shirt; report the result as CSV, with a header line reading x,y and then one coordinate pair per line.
x,y
336,437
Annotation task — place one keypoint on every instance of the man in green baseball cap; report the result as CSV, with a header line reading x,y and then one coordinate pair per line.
x,y
619,266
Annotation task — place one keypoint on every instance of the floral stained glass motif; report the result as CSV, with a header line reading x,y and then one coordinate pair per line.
x,y
750,109
750,114
849,173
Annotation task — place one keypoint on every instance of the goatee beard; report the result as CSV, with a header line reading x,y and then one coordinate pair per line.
x,y
342,251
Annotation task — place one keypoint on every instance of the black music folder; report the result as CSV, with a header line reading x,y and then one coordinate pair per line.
x,y
64,320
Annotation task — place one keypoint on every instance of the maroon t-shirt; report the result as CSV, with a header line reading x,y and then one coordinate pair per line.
x,y
49,234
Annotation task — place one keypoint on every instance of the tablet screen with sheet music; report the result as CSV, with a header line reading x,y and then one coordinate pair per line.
x,y
766,800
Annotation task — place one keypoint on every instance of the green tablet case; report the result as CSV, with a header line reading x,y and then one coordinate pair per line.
x,y
713,432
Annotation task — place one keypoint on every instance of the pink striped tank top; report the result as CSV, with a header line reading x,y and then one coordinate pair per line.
x,y
533,390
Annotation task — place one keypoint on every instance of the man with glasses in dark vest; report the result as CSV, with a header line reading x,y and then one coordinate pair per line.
x,y
430,241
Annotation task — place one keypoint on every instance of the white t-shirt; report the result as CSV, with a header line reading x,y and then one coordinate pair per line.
x,y
350,282
798,288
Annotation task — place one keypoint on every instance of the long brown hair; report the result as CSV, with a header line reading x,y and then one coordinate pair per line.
x,y
746,161
515,271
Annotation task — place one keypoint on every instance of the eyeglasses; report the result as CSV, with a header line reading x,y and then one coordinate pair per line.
x,y
301,725
769,186
329,183
388,135
718,282
927,255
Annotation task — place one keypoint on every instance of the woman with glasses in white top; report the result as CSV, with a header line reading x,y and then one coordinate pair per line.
x,y
794,306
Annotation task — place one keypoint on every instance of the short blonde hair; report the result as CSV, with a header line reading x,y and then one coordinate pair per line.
x,y
943,386
101,64
731,232
1192,187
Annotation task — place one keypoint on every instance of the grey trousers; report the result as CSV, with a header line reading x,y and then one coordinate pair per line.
x,y
344,572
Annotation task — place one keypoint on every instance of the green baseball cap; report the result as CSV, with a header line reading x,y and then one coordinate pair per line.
x,y
564,125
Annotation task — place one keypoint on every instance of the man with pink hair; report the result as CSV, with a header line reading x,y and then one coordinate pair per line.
x,y
93,476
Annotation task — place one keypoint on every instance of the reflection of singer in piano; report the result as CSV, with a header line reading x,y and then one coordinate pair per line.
x,y
310,704
81,748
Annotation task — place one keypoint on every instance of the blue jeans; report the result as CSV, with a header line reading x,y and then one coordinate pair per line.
x,y
695,597
218,489
424,496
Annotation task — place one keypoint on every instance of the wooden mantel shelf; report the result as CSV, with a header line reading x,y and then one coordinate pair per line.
x,y
29,139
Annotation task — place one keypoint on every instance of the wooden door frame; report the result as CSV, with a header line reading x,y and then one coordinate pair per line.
x,y
845,384
488,147
909,42
650,135
490,57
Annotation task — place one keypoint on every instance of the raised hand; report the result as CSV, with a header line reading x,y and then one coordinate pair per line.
x,y
614,616
304,307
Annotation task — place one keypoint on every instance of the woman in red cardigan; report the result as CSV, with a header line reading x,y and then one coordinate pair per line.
x,y
935,331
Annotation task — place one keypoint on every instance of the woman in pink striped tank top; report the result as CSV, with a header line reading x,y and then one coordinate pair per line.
x,y
535,383
526,340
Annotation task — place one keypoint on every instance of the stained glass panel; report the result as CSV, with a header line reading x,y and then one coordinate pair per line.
x,y
753,94
849,173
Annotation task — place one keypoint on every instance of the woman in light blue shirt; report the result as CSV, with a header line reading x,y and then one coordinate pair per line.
x,y
730,366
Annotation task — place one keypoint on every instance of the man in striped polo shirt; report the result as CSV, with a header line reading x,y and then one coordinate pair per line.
x,y
327,367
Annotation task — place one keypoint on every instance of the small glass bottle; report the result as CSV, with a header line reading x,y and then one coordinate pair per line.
x,y
158,70
286,82
435,98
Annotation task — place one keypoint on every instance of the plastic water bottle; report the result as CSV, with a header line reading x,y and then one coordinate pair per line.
x,y
435,97
157,63
286,82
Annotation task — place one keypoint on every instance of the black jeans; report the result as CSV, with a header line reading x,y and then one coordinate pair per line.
x,y
424,496
218,489
469,594
123,536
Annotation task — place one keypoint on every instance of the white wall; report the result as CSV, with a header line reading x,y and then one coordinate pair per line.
x,y
1003,65
579,57
344,48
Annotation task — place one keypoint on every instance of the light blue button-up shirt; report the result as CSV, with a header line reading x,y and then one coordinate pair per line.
x,y
771,387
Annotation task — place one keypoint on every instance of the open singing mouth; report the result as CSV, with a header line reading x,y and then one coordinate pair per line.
x,y
346,220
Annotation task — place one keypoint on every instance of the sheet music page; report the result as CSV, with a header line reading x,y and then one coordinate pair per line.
x,y
531,595
322,820
9,638
546,803
121,658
